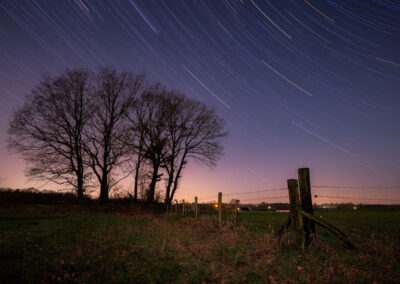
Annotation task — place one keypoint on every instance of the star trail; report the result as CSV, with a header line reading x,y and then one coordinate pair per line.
x,y
301,83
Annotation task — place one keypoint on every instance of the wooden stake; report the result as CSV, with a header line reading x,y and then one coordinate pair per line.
x,y
183,207
196,212
295,213
220,209
306,203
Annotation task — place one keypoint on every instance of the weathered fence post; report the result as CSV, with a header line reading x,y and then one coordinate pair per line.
x,y
237,213
306,203
220,209
183,207
295,213
196,212
176,207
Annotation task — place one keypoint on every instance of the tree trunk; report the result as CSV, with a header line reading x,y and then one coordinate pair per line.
x,y
104,187
80,185
178,175
79,175
137,169
152,188
168,190
135,190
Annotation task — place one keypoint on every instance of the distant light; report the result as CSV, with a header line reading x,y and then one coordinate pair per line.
x,y
215,205
355,207
269,207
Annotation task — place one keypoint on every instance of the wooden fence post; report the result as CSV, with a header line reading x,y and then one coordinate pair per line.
x,y
237,213
196,212
295,213
183,207
306,204
220,209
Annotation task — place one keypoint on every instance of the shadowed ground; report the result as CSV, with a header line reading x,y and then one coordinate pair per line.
x,y
70,244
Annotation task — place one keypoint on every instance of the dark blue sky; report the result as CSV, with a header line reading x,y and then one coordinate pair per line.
x,y
300,83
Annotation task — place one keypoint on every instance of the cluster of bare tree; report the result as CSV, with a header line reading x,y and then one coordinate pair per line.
x,y
86,128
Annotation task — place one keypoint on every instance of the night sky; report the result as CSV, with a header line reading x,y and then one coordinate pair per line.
x,y
300,83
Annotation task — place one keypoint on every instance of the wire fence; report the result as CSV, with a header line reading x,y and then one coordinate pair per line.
x,y
213,198
358,198
357,187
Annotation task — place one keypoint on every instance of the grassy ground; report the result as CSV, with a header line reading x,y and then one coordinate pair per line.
x,y
70,244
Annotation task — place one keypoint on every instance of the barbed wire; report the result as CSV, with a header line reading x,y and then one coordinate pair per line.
x,y
260,198
243,193
265,198
357,198
212,198
373,187
258,191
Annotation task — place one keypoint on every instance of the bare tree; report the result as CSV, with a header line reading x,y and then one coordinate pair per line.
x,y
136,117
107,137
195,132
176,117
169,130
47,129
143,181
148,122
140,154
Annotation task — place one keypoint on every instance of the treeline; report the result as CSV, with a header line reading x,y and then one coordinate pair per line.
x,y
34,196
91,129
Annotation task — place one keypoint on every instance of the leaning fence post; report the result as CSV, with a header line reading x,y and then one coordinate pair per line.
x,y
196,212
295,213
183,207
237,213
220,209
306,203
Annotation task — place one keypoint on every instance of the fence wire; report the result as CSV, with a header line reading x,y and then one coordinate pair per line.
x,y
358,198
356,187
212,198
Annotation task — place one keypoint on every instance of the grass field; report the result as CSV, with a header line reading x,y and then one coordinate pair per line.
x,y
70,244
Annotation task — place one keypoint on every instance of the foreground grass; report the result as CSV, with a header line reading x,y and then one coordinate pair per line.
x,y
69,244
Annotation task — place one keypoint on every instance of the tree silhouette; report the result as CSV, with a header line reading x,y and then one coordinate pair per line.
x,y
194,132
47,130
83,126
107,135
149,125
